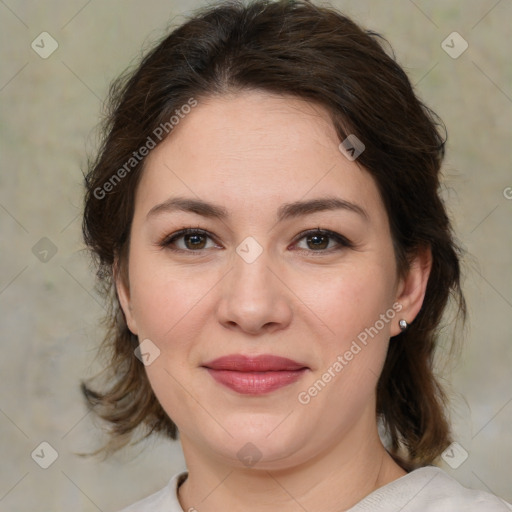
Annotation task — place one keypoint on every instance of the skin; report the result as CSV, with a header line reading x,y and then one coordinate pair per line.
x,y
251,152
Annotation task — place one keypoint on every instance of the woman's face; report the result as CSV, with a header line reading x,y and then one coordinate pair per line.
x,y
259,281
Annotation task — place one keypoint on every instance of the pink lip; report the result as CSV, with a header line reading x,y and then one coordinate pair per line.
x,y
255,374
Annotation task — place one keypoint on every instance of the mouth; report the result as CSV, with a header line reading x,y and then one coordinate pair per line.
x,y
255,375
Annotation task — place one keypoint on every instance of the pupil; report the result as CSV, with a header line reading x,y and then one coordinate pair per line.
x,y
196,240
316,238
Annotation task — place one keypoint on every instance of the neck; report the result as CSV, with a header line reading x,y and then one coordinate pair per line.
x,y
331,481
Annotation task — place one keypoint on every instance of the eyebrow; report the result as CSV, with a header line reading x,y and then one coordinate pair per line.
x,y
285,211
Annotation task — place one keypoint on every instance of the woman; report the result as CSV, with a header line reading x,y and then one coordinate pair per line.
x,y
265,212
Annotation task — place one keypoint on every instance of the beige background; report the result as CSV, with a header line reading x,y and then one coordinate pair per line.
x,y
49,311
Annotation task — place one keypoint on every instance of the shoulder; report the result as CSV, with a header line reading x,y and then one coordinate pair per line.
x,y
164,500
430,489
443,492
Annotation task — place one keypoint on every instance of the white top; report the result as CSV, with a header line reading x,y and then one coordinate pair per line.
x,y
427,489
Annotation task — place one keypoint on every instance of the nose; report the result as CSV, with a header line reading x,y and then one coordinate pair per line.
x,y
254,297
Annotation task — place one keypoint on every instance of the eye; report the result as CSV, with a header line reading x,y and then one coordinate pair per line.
x,y
323,240
195,239
187,240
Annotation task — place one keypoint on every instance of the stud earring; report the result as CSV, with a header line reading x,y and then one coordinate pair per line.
x,y
403,325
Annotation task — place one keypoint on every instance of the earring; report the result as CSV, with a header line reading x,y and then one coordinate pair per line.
x,y
403,325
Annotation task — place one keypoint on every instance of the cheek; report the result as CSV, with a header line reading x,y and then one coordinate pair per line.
x,y
356,306
163,298
352,356
348,300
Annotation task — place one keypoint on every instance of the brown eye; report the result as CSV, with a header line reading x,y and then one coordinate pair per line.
x,y
187,240
196,241
318,241
323,240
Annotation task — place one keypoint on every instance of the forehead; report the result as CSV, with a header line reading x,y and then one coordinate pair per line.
x,y
254,148
252,124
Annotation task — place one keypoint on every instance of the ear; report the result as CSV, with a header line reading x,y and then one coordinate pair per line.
x,y
412,288
123,293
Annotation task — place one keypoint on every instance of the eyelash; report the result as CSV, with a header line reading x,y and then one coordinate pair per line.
x,y
339,239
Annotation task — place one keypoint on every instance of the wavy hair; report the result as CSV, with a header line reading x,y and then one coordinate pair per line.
x,y
314,53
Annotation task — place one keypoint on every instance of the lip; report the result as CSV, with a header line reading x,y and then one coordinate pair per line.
x,y
255,375
260,363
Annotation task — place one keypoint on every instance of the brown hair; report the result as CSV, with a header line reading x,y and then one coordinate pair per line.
x,y
317,54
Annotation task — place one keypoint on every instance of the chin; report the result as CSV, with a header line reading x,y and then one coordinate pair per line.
x,y
260,443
